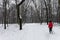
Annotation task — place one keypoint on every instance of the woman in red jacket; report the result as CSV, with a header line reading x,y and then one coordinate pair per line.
x,y
50,26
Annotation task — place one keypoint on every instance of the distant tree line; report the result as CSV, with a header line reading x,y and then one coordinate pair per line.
x,y
30,11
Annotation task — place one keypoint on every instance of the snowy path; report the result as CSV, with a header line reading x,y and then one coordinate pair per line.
x,y
40,32
29,32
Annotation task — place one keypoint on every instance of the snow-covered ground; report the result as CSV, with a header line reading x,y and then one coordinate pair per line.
x,y
30,31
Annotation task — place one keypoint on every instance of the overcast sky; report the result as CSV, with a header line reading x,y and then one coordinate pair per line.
x,y
9,0
20,0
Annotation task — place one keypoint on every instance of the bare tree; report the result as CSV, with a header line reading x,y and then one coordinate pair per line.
x,y
59,11
18,13
46,10
5,12
50,10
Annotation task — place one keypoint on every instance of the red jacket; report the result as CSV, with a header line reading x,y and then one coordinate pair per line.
x,y
50,25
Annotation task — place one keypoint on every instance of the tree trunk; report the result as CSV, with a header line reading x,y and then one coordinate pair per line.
x,y
5,12
19,20
59,11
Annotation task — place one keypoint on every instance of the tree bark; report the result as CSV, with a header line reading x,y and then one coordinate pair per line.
x,y
5,12
19,20
59,11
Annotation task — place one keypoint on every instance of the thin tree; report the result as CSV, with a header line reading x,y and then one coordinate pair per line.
x,y
50,10
41,12
5,12
46,11
59,11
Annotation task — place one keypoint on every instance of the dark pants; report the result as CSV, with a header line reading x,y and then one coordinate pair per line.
x,y
50,30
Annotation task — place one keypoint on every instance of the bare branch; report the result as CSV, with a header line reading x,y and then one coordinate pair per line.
x,y
20,2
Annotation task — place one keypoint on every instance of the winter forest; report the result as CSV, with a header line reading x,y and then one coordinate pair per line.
x,y
29,19
31,11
